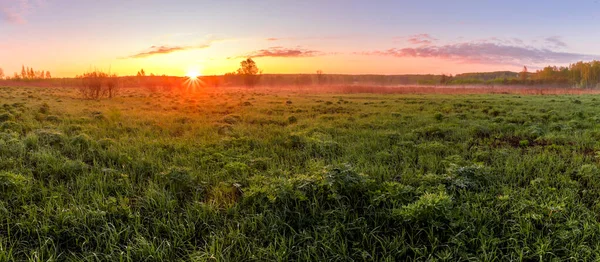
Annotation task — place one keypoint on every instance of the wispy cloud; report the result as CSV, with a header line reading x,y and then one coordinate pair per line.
x,y
278,51
486,53
14,11
555,41
160,50
420,39
303,38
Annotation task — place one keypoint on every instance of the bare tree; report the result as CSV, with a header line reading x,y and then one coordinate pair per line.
x,y
112,85
98,84
320,77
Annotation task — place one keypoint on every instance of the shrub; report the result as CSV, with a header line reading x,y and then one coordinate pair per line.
x,y
225,129
13,184
236,169
53,118
429,208
232,119
524,143
81,141
106,143
6,117
292,119
11,126
44,108
181,183
97,84
50,137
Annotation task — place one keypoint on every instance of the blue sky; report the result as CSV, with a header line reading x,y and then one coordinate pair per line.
x,y
387,37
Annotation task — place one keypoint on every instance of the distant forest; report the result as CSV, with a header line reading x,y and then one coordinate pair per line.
x,y
577,75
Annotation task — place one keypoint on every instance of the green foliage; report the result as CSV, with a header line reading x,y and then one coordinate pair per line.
x,y
6,117
13,185
427,209
184,176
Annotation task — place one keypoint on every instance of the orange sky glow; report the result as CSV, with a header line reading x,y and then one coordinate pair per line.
x,y
392,37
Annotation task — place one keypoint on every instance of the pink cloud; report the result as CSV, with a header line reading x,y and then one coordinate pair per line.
x,y
420,39
485,53
159,50
14,11
285,52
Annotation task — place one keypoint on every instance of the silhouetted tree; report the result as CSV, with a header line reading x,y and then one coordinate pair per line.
x,y
523,74
320,78
112,85
98,84
1,73
249,72
443,79
31,74
48,76
23,72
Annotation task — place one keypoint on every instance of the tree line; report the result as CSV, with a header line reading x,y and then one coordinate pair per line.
x,y
576,75
27,73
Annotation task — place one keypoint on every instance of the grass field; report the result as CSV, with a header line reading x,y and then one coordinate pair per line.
x,y
250,175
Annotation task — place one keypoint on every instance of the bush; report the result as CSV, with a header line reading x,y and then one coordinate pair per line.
x,y
232,119
98,84
292,119
11,126
53,118
181,183
81,142
50,137
6,117
429,208
13,185
44,108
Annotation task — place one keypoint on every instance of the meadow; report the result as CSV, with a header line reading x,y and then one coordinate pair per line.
x,y
263,175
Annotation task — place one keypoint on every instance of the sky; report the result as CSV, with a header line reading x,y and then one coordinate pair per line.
x,y
68,37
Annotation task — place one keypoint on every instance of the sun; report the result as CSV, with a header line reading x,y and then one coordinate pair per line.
x,y
192,74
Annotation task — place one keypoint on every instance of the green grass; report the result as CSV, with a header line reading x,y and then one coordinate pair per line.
x,y
256,176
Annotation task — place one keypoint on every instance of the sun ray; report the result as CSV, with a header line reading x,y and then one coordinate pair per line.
x,y
193,81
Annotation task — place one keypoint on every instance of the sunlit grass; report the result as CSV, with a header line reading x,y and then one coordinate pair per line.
x,y
236,174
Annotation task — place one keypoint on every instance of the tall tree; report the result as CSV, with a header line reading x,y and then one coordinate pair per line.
x,y
48,75
320,77
250,72
1,73
23,72
523,74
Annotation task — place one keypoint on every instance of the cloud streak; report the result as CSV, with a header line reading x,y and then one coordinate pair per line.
x,y
555,41
284,52
485,53
161,50
421,39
